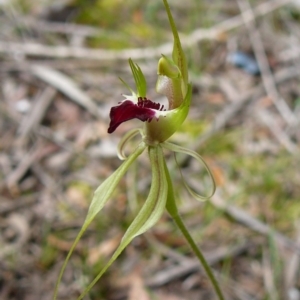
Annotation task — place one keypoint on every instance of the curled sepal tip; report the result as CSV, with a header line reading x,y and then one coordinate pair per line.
x,y
195,155
124,140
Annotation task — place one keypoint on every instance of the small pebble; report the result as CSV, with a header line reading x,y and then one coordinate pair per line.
x,y
244,61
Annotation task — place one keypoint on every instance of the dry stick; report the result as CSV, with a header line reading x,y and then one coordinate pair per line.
x,y
24,164
228,89
235,22
184,266
289,54
44,132
197,35
223,117
260,55
8,206
244,218
57,139
293,51
34,49
38,111
59,27
254,224
67,86
232,109
294,36
281,136
188,266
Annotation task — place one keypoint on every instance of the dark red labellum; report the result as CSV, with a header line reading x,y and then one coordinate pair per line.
x,y
144,110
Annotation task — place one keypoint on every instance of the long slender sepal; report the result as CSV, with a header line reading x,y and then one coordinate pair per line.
x,y
194,154
101,196
173,73
178,54
149,214
171,203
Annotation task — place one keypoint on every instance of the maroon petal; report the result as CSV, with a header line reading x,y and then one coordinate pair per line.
x,y
144,110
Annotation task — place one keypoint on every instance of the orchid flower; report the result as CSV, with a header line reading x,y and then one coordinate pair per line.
x,y
160,123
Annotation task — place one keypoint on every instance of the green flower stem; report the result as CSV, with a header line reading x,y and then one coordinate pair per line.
x,y
199,255
173,211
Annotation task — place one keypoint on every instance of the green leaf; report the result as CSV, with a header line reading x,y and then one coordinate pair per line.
x,y
101,196
149,214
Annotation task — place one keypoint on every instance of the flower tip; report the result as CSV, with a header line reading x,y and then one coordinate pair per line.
x,y
111,128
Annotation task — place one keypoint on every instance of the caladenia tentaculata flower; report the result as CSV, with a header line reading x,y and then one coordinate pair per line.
x,y
160,123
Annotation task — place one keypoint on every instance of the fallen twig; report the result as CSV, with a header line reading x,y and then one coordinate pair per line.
x,y
281,136
67,86
36,115
229,111
261,57
34,49
7,205
254,224
190,265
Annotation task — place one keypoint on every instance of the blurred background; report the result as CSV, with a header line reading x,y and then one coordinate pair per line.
x,y
60,63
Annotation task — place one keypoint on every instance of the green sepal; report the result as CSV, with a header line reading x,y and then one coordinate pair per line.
x,y
149,214
105,190
102,194
178,54
139,78
129,88
180,149
140,81
171,205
